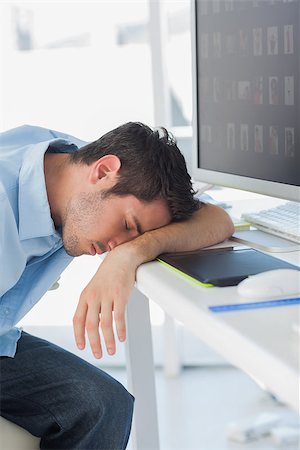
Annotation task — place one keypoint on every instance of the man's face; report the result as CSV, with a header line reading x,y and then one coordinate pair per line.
x,y
93,225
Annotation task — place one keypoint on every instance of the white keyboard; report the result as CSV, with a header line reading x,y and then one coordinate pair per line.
x,y
283,221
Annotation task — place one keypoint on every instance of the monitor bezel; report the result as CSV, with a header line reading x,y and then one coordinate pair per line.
x,y
264,187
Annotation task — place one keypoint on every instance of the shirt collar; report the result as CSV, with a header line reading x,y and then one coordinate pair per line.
x,y
34,211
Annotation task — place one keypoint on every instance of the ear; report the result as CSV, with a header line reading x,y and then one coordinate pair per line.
x,y
107,166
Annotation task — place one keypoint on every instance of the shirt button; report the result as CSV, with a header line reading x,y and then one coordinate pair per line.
x,y
7,311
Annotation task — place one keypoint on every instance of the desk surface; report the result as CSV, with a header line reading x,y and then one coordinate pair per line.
x,y
261,342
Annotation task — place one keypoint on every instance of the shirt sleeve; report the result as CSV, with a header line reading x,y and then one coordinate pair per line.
x,y
12,258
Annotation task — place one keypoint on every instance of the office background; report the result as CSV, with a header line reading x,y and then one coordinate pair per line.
x,y
84,68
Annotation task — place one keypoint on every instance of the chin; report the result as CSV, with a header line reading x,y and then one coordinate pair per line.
x,y
74,251
71,245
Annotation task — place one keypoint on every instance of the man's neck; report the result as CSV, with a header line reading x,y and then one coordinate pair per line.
x,y
56,169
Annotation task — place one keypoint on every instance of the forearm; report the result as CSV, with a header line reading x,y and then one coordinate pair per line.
x,y
210,225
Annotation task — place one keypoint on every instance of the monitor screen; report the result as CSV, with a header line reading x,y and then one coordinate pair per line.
x,y
247,92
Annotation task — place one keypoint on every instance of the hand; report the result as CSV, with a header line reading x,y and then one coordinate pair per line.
x,y
104,299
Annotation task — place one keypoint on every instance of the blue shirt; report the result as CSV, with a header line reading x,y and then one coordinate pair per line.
x,y
32,255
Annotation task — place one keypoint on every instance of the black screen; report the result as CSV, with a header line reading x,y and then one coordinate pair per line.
x,y
248,83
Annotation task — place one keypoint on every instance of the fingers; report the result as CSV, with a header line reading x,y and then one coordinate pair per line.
x,y
92,328
106,324
79,325
88,317
119,317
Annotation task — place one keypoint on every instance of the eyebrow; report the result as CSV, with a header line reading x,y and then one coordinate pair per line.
x,y
137,225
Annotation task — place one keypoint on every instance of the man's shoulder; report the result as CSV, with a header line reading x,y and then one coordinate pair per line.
x,y
31,134
24,134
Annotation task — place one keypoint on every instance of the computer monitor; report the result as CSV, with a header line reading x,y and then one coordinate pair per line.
x,y
246,93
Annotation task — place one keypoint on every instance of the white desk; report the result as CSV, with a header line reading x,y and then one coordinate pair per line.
x,y
260,342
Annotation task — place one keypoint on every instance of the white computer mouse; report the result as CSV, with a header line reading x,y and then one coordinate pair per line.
x,y
273,283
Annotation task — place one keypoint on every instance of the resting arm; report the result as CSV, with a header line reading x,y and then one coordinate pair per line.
x,y
208,226
106,295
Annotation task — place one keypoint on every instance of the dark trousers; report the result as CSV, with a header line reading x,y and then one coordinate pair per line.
x,y
67,402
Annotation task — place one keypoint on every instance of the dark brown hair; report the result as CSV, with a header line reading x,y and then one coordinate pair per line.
x,y
152,166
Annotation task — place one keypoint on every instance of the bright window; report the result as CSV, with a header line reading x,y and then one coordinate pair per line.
x,y
65,65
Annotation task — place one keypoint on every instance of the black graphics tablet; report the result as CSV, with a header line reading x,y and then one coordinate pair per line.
x,y
222,266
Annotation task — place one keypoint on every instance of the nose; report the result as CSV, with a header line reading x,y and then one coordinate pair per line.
x,y
114,242
121,239
111,244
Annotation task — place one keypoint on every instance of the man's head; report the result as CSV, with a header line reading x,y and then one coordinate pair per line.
x,y
151,166
133,180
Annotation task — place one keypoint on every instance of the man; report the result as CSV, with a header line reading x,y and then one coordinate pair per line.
x,y
129,194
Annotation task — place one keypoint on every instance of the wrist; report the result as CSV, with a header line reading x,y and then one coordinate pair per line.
x,y
127,255
140,250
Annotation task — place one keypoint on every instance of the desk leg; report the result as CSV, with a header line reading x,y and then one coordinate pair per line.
x,y
140,373
172,363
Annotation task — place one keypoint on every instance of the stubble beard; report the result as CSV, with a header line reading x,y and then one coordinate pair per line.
x,y
71,245
79,215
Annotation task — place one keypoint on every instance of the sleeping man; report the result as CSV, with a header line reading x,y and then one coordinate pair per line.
x,y
128,194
